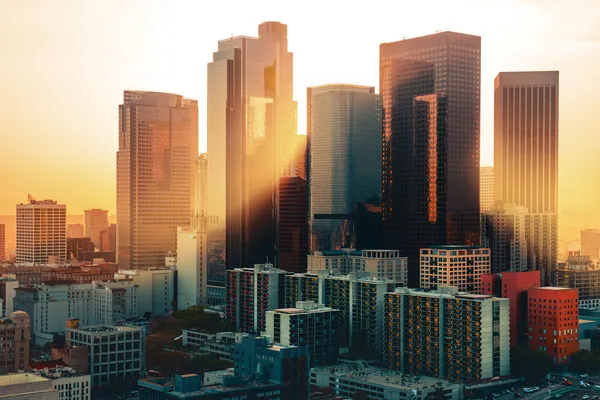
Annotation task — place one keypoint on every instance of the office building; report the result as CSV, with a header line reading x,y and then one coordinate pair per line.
x,y
96,221
456,336
459,266
155,289
108,238
344,168
590,243
382,264
70,384
192,267
513,286
75,231
553,322
77,246
307,324
293,224
579,272
348,379
250,293
486,189
220,344
41,232
542,244
2,242
158,148
8,284
116,353
27,386
430,88
15,337
242,130
526,139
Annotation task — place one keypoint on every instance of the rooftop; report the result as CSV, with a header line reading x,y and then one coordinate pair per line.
x,y
166,385
19,379
106,329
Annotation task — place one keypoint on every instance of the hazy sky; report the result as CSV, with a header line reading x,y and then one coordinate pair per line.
x,y
65,63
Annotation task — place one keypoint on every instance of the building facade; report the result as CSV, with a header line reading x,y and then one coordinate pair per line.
x,y
27,386
590,243
486,189
553,322
456,336
96,221
108,238
459,266
344,171
292,242
8,284
579,272
2,242
155,289
15,337
430,88
158,147
513,286
192,267
307,324
75,231
41,232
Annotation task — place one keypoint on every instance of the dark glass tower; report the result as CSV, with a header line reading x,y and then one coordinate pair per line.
x,y
430,88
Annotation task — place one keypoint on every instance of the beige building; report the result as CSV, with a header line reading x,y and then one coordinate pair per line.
x,y
96,221
486,188
27,386
459,266
15,336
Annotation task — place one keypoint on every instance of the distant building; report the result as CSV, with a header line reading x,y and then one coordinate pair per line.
x,y
8,285
75,231
27,386
192,267
590,243
115,352
293,224
459,266
456,336
41,216
155,289
96,221
307,324
218,344
108,238
513,286
2,242
553,322
69,383
579,272
78,245
15,337
486,189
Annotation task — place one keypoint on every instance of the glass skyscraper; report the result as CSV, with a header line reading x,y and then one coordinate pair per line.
x,y
156,175
430,88
243,90
344,132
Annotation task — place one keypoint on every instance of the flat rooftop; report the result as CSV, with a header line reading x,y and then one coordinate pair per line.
x,y
105,329
161,385
19,379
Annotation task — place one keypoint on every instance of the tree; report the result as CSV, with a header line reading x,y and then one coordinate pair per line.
x,y
533,365
584,361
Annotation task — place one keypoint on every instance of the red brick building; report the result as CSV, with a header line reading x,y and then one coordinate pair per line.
x,y
553,321
513,286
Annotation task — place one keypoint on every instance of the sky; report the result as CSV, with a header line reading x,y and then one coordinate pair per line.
x,y
65,63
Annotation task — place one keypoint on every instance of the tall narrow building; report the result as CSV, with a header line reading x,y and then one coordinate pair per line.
x,y
243,92
526,139
158,148
486,191
41,232
2,242
430,88
344,167
96,221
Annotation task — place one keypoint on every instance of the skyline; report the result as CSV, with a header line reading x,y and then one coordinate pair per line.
x,y
88,56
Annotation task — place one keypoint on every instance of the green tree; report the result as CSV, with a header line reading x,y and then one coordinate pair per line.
x,y
584,361
533,365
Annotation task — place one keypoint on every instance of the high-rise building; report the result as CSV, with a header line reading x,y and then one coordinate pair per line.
x,y
192,268
579,272
108,238
430,88
541,232
526,139
292,243
590,243
458,266
513,286
344,161
96,221
15,336
156,172
2,242
75,231
447,334
41,232
243,93
486,189
307,324
553,322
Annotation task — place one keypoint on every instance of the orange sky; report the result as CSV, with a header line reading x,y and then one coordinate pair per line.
x,y
65,63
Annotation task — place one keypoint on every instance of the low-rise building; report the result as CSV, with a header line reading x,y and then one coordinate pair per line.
x,y
15,339
349,379
27,386
155,289
8,284
70,384
219,344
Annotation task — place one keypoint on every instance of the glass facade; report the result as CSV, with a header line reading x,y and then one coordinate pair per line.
x,y
243,88
156,175
430,88
345,172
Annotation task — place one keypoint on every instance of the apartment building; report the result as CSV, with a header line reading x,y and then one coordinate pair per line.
x,y
15,331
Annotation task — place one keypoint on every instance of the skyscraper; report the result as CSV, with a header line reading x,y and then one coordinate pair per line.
x,y
344,167
430,88
2,242
158,148
486,189
590,243
526,139
243,92
292,243
96,221
41,232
